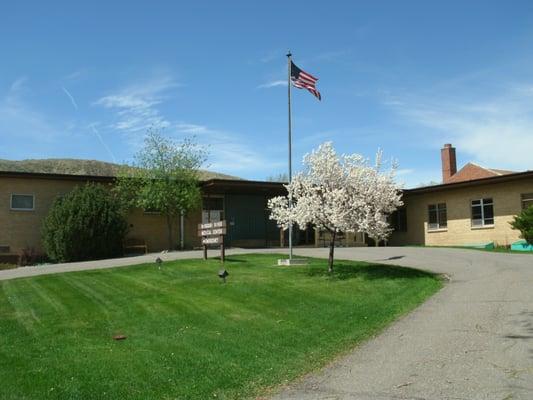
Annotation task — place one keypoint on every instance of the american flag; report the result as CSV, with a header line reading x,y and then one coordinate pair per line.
x,y
303,80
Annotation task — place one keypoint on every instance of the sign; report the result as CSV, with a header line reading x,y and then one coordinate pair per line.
x,y
211,225
212,240
212,233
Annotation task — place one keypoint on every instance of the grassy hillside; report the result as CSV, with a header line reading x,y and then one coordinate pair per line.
x,y
80,167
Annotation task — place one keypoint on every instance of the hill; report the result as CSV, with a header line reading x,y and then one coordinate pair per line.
x,y
70,166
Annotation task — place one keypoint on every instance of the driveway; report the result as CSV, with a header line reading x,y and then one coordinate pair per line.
x,y
472,340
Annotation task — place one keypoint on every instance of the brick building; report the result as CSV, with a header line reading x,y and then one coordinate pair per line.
x,y
473,206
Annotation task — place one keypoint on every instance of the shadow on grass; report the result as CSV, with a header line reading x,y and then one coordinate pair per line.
x,y
232,260
343,271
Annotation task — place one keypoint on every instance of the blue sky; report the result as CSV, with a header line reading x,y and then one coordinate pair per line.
x,y
85,80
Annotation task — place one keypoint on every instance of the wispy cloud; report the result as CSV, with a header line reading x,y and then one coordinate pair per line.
x,y
272,84
135,106
76,75
495,131
93,128
18,119
229,152
72,100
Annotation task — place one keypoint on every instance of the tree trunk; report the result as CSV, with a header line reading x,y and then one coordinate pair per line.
x,y
331,250
169,226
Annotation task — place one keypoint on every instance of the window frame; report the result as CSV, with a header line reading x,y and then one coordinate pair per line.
x,y
21,209
482,205
526,198
207,212
438,226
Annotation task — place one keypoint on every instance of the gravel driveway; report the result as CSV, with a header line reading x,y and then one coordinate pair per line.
x,y
472,340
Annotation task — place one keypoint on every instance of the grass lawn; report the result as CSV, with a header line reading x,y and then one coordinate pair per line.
x,y
188,335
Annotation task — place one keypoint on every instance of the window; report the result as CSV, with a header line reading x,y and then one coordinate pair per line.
x,y
212,209
22,202
438,219
527,200
398,220
482,213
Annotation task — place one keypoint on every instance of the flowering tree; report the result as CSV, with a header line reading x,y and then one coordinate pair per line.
x,y
339,194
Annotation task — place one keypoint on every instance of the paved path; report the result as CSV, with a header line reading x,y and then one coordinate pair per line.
x,y
472,340
110,263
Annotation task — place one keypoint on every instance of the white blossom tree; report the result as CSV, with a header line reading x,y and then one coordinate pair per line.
x,y
339,194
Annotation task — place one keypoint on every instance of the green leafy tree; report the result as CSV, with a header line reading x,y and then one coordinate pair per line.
x,y
164,177
524,223
86,224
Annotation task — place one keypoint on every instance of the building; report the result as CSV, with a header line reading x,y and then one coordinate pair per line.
x,y
473,206
26,197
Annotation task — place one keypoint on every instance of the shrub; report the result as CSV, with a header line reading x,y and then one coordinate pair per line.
x,y
7,266
524,223
30,256
86,224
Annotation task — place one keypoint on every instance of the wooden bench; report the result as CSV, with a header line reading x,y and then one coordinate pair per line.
x,y
136,245
7,257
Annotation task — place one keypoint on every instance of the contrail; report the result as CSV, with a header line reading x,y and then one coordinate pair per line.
x,y
74,104
97,134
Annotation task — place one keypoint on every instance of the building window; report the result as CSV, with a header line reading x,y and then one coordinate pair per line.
x,y
398,220
527,200
438,218
482,213
22,202
212,209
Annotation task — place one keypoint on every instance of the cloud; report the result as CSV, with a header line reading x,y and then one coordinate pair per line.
x,y
494,131
272,84
19,120
404,171
74,104
92,127
135,106
76,75
228,152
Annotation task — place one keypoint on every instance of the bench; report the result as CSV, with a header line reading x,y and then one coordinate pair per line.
x,y
7,257
134,245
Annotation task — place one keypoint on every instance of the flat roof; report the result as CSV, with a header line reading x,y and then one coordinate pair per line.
x,y
215,185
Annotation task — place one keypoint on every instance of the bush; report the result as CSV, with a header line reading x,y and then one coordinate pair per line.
x,y
7,266
30,256
86,224
524,223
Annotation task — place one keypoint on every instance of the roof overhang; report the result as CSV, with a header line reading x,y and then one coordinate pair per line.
x,y
220,186
475,182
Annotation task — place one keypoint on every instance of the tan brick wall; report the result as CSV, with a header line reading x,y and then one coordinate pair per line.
x,y
20,229
507,203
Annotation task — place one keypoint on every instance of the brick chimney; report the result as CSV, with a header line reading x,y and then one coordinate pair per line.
x,y
449,163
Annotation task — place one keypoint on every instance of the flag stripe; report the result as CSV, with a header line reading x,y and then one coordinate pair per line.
x,y
304,80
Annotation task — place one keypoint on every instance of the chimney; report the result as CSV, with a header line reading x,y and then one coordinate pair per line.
x,y
449,163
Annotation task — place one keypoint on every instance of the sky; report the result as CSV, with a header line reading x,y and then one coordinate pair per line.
x,y
87,79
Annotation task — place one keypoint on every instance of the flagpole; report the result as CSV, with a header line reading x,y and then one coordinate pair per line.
x,y
290,148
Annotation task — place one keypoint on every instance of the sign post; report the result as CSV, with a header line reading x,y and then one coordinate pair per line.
x,y
212,234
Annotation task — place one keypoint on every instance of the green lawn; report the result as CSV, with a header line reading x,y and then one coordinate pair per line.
x,y
188,335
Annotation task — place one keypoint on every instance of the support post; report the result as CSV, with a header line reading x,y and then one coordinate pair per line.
x,y
222,249
182,230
